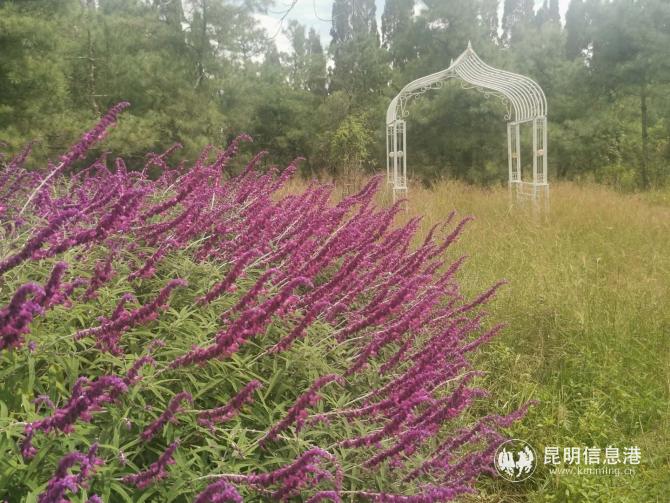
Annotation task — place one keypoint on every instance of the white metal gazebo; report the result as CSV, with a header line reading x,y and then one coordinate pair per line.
x,y
525,101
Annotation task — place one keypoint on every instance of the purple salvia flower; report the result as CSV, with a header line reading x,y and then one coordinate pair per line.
x,y
429,494
53,285
79,149
102,273
333,496
296,468
64,481
219,492
155,472
298,411
20,158
253,292
115,220
481,299
36,242
44,399
251,322
94,135
230,278
167,415
222,414
16,317
159,159
120,306
391,428
63,297
149,268
451,238
230,152
109,331
299,330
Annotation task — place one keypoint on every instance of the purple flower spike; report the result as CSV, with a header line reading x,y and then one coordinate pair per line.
x,y
155,472
225,413
219,492
298,412
16,317
64,481
167,415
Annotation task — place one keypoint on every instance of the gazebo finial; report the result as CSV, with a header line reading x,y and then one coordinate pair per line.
x,y
469,45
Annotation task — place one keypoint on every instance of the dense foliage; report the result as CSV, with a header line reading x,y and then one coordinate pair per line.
x,y
202,334
198,70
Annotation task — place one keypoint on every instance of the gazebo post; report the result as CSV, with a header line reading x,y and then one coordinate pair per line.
x,y
388,163
509,159
517,156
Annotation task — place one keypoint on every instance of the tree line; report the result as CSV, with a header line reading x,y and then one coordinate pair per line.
x,y
202,71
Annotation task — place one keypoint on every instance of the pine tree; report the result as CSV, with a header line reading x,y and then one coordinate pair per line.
x,y
576,28
360,65
542,15
488,11
518,15
316,64
298,60
629,55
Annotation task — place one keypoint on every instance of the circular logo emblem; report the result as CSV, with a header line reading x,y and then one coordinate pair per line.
x,y
515,460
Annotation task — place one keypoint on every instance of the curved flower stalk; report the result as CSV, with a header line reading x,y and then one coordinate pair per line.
x,y
149,268
230,278
132,376
17,316
96,134
37,241
102,273
115,220
159,159
298,411
253,293
108,333
294,476
250,323
53,286
167,415
232,408
156,470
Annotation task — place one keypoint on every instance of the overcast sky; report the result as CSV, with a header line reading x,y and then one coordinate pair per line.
x,y
316,14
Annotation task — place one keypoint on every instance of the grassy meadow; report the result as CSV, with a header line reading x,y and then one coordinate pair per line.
x,y
587,310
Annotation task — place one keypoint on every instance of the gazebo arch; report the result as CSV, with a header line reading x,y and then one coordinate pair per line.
x,y
525,101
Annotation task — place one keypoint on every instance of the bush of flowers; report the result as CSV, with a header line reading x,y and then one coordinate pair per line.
x,y
203,336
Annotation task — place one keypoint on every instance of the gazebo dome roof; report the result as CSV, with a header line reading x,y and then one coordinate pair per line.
x,y
524,95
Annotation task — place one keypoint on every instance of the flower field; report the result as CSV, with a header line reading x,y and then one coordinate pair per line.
x,y
206,335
